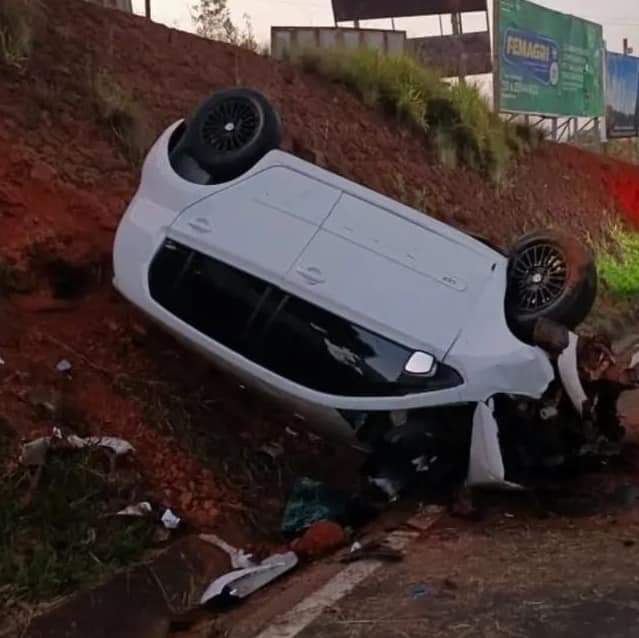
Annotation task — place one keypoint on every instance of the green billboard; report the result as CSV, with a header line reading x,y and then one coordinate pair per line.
x,y
547,62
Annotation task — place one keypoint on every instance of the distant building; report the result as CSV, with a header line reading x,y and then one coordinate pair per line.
x,y
123,5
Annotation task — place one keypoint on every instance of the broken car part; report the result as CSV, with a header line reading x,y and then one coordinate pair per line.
x,y
243,582
239,559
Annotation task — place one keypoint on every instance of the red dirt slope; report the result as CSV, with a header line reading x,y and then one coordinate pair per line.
x,y
64,185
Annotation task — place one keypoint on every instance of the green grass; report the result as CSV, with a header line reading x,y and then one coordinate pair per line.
x,y
124,116
618,263
456,119
62,537
19,21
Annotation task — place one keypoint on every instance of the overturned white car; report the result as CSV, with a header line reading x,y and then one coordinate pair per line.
x,y
372,320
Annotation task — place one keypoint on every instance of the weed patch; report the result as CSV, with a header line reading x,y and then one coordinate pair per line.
x,y
61,535
456,119
117,108
618,263
19,22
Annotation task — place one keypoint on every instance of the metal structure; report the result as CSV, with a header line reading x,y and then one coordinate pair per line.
x,y
122,5
287,41
350,10
454,55
458,54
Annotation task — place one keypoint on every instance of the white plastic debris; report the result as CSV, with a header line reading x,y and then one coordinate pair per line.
x,y
170,520
63,366
486,464
274,450
119,447
569,374
2,361
423,463
356,546
389,487
34,453
239,558
140,509
243,582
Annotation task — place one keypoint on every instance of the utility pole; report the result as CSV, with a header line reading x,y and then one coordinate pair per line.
x,y
147,9
456,19
627,49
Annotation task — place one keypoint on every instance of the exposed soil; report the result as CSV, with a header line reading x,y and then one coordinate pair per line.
x,y
65,182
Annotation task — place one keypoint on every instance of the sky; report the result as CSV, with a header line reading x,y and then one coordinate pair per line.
x,y
620,18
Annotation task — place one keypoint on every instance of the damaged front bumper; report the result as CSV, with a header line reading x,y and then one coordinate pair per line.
x,y
507,441
577,416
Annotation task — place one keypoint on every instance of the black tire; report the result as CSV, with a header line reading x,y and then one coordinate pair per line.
x,y
227,135
551,275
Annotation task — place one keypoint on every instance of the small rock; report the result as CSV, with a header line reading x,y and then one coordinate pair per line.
x,y
320,538
113,326
63,366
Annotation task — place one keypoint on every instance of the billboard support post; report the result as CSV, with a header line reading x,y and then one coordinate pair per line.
x,y
496,57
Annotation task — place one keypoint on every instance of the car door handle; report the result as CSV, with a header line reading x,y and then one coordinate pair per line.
x,y
311,275
201,225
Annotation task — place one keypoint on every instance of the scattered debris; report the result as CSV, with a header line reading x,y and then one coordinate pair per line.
x,y
119,447
170,520
422,591
427,517
373,550
2,361
240,583
273,450
63,366
292,432
239,559
310,502
34,453
319,539
390,487
140,509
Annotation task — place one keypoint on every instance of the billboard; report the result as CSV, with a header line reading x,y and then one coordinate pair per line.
x,y
622,95
375,9
547,63
454,55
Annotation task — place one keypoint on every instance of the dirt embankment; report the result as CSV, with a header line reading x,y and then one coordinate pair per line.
x,y
65,182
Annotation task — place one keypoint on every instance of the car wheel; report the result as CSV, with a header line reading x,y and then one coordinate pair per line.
x,y
551,275
228,134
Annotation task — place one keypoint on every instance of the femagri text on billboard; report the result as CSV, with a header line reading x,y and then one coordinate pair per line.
x,y
374,9
548,63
